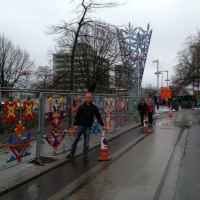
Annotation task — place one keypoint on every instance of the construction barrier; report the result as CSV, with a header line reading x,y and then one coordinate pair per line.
x,y
145,125
104,149
170,112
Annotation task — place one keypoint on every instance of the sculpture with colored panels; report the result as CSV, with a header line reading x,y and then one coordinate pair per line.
x,y
108,110
55,119
18,143
117,102
74,107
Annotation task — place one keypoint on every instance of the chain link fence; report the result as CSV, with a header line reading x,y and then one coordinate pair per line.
x,y
36,124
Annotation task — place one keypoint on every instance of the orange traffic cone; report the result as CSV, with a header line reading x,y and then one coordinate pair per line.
x,y
104,150
145,125
192,106
170,112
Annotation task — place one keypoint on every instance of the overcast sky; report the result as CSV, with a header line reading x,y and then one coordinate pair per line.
x,y
24,22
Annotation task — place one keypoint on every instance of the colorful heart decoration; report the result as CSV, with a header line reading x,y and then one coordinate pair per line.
x,y
55,119
19,148
108,110
18,145
74,107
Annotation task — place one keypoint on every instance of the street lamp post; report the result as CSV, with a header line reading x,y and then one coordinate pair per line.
x,y
167,77
157,73
138,72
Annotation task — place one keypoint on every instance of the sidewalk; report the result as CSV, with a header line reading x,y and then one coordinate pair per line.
x,y
25,172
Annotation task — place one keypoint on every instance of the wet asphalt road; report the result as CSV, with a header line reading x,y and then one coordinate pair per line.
x,y
47,185
189,181
188,186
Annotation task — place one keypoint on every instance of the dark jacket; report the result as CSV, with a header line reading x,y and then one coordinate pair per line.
x,y
143,108
85,115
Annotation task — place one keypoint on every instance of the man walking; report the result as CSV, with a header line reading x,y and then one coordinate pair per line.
x,y
83,122
151,106
143,109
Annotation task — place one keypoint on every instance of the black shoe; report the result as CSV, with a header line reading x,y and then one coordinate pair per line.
x,y
69,156
85,158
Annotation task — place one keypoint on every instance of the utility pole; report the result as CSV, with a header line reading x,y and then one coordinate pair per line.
x,y
167,77
138,68
157,73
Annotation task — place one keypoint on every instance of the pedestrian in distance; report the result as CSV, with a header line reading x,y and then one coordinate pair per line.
x,y
151,108
143,109
83,123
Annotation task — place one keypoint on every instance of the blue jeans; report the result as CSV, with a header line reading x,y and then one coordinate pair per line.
x,y
86,131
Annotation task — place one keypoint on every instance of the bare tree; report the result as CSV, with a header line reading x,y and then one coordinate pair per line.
x,y
71,30
96,55
43,77
187,71
14,63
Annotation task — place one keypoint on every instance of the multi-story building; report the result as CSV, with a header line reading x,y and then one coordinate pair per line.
x,y
86,70
61,70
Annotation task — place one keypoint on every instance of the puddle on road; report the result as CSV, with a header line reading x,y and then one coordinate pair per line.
x,y
165,123
182,121
44,160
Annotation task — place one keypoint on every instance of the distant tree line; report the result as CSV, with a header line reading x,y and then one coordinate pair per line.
x,y
187,70
14,64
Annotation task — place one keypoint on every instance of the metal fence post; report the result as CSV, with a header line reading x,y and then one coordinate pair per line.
x,y
114,114
20,106
40,128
